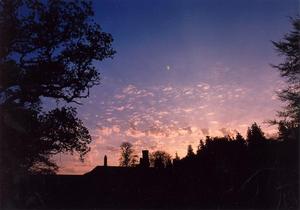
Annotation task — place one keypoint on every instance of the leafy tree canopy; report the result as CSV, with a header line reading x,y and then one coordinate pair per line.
x,y
47,49
160,159
128,157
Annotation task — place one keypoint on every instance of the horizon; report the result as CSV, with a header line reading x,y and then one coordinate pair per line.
x,y
182,71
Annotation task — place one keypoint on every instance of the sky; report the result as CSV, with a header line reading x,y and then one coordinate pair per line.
x,y
183,70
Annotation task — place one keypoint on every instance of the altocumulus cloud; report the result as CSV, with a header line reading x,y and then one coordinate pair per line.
x,y
169,117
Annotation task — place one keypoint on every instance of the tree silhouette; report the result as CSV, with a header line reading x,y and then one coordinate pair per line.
x,y
255,135
47,50
160,159
45,135
176,156
288,48
128,158
240,139
201,146
190,151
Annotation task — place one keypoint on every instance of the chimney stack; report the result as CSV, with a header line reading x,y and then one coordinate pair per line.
x,y
105,161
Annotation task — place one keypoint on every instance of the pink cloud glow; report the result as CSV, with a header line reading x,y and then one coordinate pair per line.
x,y
170,118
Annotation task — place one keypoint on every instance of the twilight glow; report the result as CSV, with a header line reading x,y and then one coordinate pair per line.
x,y
183,70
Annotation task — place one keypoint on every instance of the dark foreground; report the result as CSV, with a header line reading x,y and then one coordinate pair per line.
x,y
224,174
115,187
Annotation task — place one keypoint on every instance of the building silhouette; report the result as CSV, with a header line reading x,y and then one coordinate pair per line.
x,y
144,161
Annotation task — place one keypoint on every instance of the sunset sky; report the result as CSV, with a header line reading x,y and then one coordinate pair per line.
x,y
183,70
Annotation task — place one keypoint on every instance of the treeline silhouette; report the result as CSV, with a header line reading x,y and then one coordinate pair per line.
x,y
224,172
251,173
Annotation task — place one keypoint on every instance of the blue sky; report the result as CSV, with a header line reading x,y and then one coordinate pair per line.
x,y
183,70
185,34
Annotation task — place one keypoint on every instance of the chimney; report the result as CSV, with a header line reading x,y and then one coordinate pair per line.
x,y
105,161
